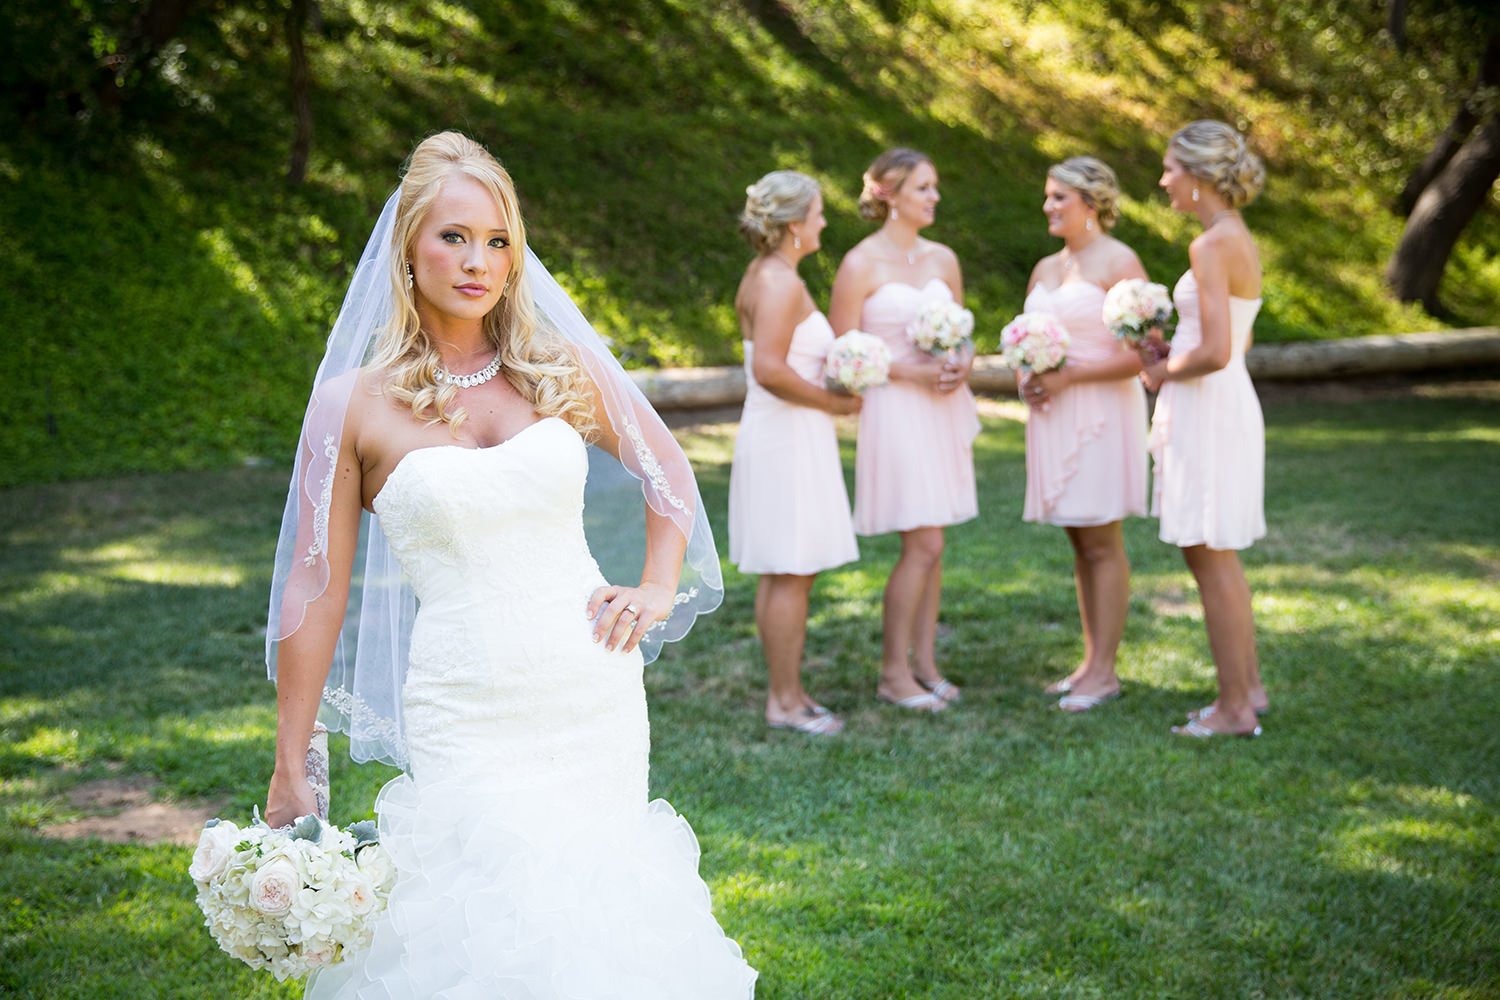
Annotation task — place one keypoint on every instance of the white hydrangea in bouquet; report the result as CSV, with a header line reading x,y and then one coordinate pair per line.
x,y
294,899
1034,342
941,327
1134,307
857,361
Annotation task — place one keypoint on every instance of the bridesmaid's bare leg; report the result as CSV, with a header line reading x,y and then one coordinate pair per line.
x,y
1101,574
781,602
1230,623
924,636
905,602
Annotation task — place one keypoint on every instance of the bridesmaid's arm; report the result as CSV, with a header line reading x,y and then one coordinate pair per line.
x,y
780,307
851,286
1213,353
955,370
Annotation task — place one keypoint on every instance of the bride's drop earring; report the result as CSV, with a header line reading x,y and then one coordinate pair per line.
x,y
411,279
1195,194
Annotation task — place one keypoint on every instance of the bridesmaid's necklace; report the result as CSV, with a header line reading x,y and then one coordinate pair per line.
x,y
1068,260
778,254
910,255
1222,213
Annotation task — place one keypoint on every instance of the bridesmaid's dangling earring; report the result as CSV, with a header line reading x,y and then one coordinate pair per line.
x,y
895,214
1089,223
1195,194
796,242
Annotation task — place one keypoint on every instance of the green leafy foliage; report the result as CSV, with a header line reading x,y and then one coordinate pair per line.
x,y
168,293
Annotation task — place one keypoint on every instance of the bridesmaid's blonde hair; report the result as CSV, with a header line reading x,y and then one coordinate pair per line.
x,y
1216,154
885,177
1094,182
537,362
780,197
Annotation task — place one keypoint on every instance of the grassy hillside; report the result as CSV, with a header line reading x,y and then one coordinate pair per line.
x,y
167,293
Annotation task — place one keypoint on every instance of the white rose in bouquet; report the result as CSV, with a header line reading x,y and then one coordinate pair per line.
x,y
274,887
294,899
1134,307
216,847
941,327
1034,342
857,361
376,863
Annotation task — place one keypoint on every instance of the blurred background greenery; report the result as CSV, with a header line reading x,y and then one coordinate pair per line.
x,y
168,287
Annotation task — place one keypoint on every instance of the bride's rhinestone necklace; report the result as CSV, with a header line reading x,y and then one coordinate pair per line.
x,y
480,377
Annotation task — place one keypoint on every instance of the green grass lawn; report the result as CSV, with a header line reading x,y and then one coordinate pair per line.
x,y
999,850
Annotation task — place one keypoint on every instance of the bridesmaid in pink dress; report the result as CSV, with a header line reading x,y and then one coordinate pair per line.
x,y
1207,434
788,508
1086,433
914,468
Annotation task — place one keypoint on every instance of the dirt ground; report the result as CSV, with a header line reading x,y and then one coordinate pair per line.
x,y
124,811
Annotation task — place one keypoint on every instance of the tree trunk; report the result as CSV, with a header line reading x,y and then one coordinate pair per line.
x,y
1440,215
1458,130
296,24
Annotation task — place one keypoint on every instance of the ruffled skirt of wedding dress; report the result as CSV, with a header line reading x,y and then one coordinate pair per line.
x,y
489,904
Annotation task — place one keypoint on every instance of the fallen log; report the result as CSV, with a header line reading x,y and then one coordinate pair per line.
x,y
701,388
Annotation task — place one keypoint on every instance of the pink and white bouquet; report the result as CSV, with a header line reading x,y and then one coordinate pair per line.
x,y
857,361
941,327
1034,342
291,900
1134,307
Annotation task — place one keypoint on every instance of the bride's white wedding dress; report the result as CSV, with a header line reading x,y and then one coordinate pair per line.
x,y
530,862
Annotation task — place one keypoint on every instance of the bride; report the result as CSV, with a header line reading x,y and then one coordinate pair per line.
x,y
463,402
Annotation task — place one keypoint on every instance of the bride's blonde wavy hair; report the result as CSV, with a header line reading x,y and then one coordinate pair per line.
x,y
536,361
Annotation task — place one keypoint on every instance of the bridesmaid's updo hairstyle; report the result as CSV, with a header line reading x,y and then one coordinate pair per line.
x,y
780,197
1216,154
885,177
1095,183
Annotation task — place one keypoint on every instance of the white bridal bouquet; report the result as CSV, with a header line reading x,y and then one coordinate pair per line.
x,y
857,361
291,900
941,327
1134,307
1034,342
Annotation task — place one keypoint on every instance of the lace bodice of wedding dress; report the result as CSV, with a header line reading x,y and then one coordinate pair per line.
x,y
503,665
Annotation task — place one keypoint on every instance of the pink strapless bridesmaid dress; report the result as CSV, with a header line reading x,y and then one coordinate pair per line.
x,y
1208,439
788,506
1086,451
914,466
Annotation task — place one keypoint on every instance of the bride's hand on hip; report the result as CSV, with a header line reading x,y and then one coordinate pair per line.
x,y
622,615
